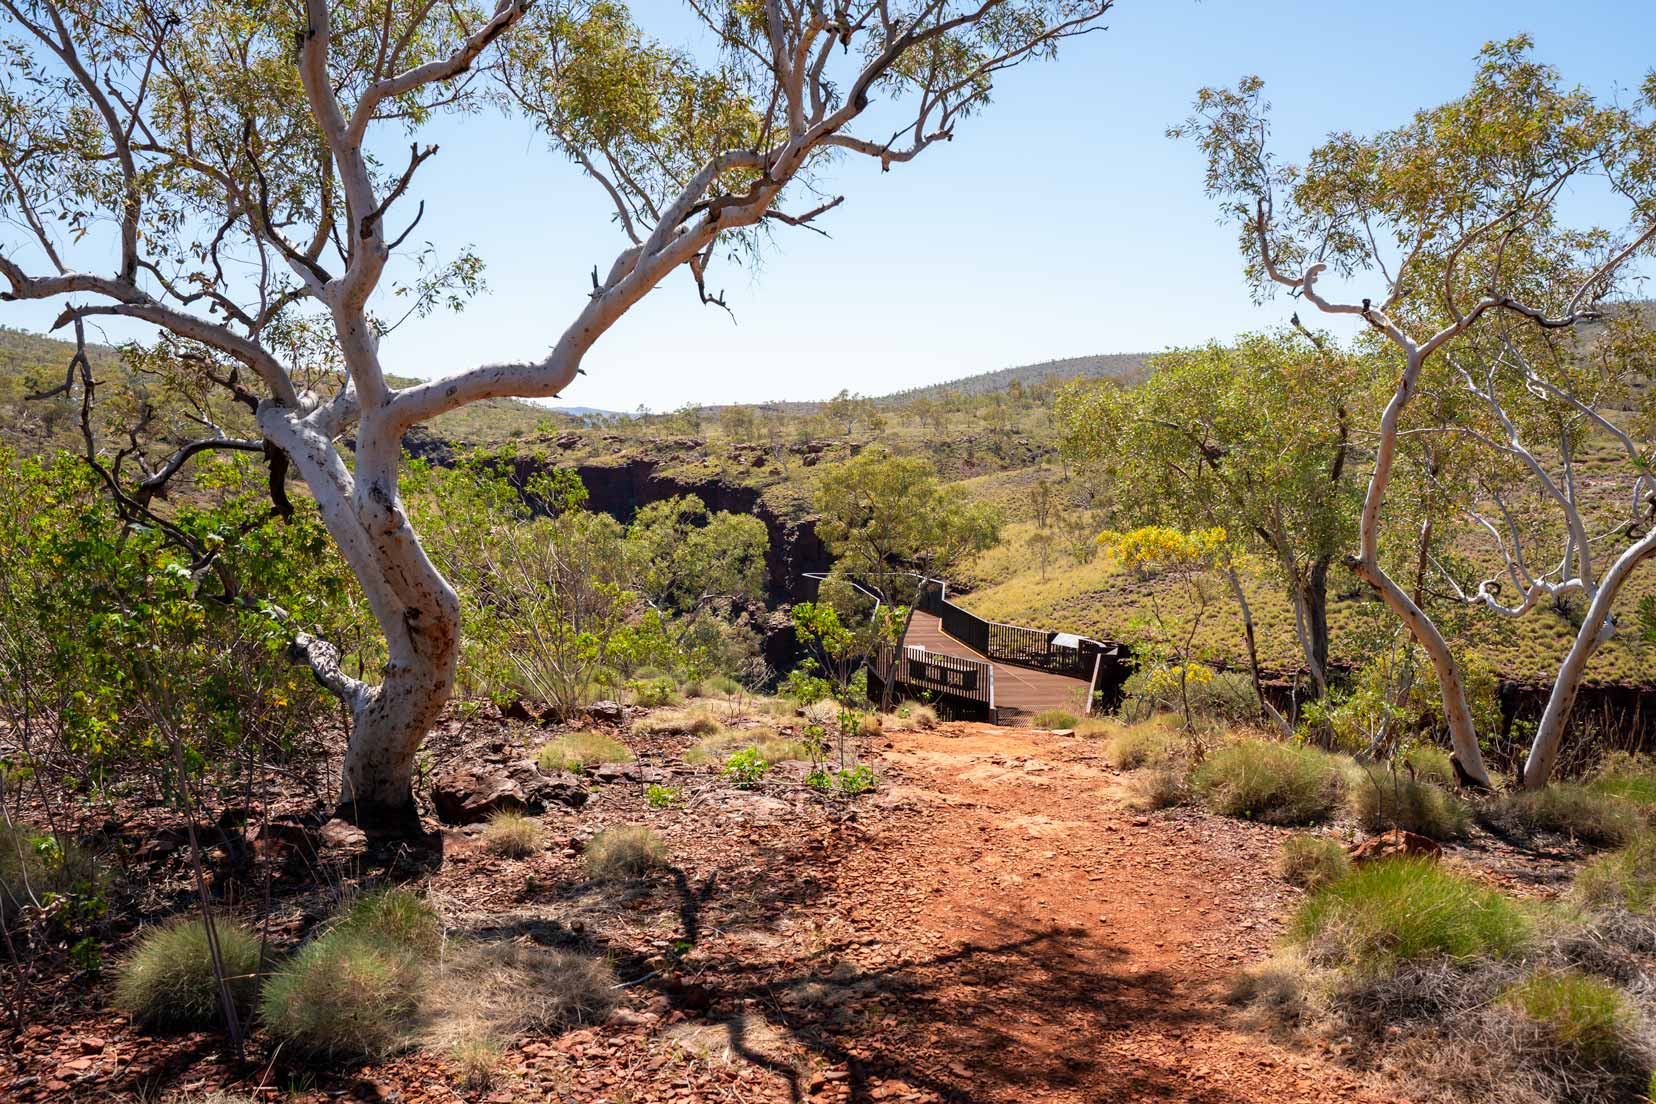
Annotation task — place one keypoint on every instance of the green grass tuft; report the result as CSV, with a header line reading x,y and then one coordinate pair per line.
x,y
1396,910
513,835
1629,777
1585,1016
1427,763
1622,879
1275,783
1147,744
346,994
1569,809
577,751
167,979
1382,800
395,915
1055,719
1311,862
623,852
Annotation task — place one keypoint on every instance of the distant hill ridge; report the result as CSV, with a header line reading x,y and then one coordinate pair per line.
x,y
1126,367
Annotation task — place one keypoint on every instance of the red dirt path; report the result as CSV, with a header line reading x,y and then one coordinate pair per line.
x,y
1062,948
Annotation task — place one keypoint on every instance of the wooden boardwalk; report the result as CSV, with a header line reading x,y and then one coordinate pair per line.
x,y
1020,693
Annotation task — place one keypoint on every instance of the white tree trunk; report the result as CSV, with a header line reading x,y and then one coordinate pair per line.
x,y
1456,712
1598,626
416,609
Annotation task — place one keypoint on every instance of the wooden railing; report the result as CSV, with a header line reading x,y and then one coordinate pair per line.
x,y
1036,649
970,680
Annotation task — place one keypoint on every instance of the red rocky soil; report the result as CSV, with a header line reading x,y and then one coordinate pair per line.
x,y
994,924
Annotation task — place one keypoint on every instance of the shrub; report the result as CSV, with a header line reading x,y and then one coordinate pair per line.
x,y
1586,1017
1055,719
167,979
1566,808
1271,782
1396,910
663,797
697,720
622,852
1624,879
1311,862
513,835
1427,763
1383,800
346,994
576,751
395,915
869,724
1147,744
654,691
1228,696
745,768
36,865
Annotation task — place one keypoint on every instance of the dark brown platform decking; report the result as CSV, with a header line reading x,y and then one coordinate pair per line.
x,y
1020,693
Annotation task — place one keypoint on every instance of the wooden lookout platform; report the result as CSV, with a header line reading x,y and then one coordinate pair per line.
x,y
1020,692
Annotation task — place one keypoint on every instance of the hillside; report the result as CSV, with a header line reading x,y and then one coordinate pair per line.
x,y
30,362
1127,367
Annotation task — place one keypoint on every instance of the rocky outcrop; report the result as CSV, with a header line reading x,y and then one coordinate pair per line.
x,y
472,794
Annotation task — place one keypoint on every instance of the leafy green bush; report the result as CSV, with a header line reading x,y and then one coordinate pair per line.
x,y
577,751
625,851
1311,862
1055,719
513,835
1569,809
1382,800
663,797
1584,1016
1624,879
168,980
36,867
745,768
1397,910
345,994
1275,783
654,692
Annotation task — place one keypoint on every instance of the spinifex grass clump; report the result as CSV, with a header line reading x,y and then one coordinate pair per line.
x,y
1569,809
1586,1018
625,851
1276,783
1146,744
352,991
577,751
1622,879
168,978
1397,910
1382,800
513,835
1312,862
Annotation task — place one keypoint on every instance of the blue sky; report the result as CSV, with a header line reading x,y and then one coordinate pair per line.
x,y
1059,222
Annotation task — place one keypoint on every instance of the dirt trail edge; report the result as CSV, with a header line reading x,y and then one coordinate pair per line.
x,y
1022,935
